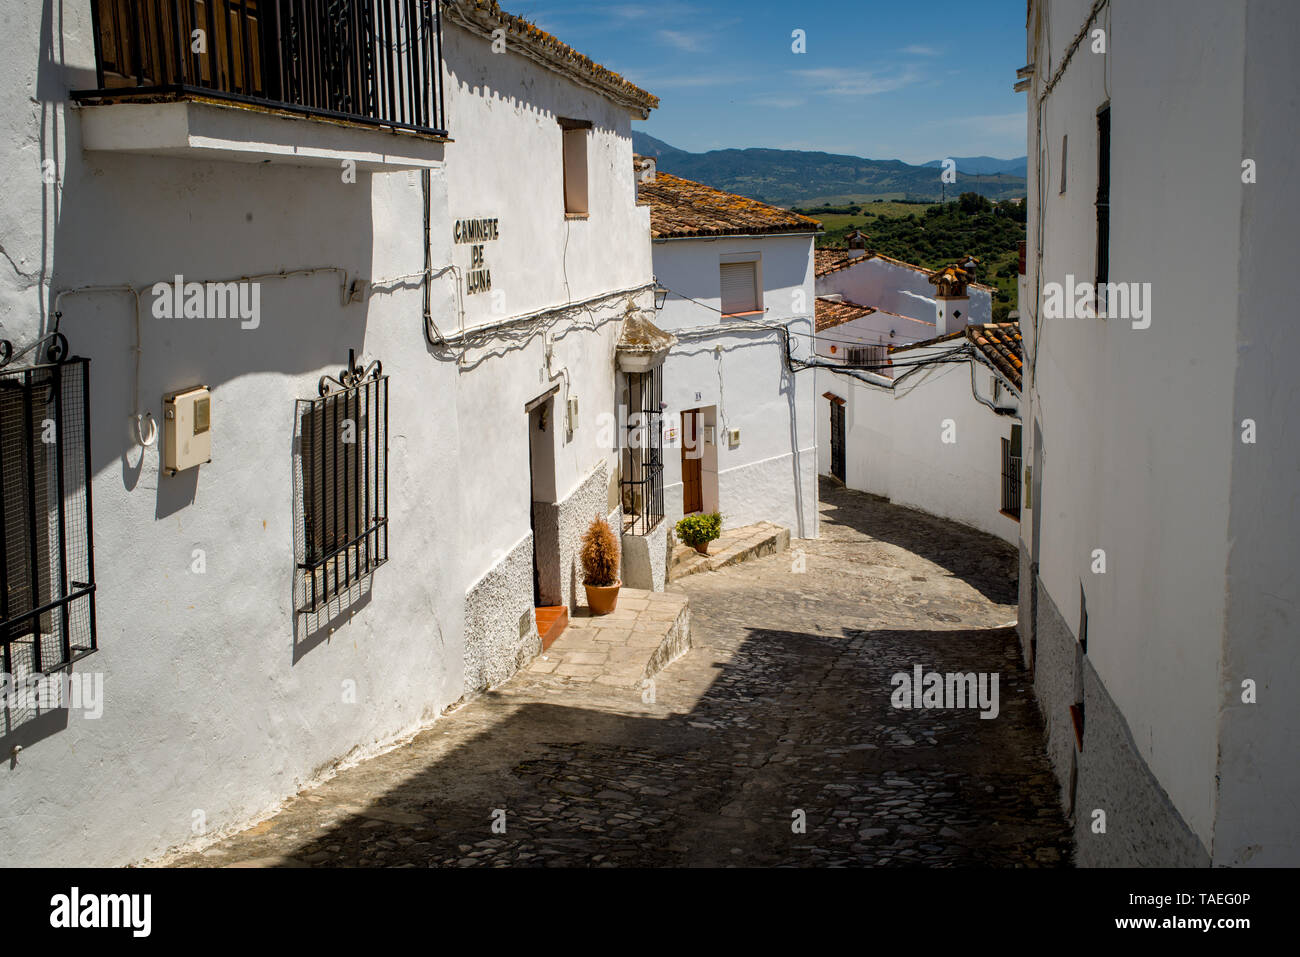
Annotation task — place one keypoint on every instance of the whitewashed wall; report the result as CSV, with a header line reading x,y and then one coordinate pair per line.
x,y
896,288
1141,454
219,700
771,474
879,328
894,443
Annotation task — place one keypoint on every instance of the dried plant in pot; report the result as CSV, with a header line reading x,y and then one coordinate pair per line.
x,y
599,556
698,530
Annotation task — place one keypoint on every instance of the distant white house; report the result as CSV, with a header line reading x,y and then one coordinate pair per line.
x,y
736,279
941,434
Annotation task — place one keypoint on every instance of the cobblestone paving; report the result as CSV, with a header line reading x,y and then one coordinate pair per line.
x,y
780,713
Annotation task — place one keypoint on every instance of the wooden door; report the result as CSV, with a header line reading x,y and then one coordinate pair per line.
x,y
692,463
837,440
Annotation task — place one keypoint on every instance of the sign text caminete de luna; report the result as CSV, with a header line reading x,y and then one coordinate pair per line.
x,y
476,232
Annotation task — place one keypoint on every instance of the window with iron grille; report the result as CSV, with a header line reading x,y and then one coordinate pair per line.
x,y
1011,474
877,355
343,477
47,571
643,462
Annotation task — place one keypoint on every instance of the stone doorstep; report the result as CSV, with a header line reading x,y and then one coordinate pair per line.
x,y
735,546
637,641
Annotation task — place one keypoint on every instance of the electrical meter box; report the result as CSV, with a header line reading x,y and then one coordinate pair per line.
x,y
187,428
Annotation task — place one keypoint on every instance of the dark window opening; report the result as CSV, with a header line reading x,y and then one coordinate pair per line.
x,y
1011,474
343,443
642,484
1103,208
47,573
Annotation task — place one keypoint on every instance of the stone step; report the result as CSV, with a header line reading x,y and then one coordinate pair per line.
x,y
551,622
736,545
643,635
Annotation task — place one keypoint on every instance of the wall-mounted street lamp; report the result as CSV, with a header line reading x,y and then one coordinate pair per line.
x,y
661,296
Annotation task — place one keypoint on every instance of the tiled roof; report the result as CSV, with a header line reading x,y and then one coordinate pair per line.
x,y
487,15
999,342
832,313
824,260
833,260
680,207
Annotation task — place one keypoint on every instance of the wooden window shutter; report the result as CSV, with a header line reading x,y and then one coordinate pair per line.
x,y
739,288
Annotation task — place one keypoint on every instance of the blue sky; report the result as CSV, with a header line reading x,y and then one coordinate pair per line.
x,y
901,79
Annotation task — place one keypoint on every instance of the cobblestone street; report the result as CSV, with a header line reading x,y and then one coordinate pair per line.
x,y
782,706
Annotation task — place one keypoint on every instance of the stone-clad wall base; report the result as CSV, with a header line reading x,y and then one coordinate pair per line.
x,y
645,558
494,607
1143,829
1025,624
573,515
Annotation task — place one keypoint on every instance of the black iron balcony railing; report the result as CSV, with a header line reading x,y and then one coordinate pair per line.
x,y
367,61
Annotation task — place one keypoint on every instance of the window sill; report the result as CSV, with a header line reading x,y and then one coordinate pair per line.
x,y
742,315
1011,515
577,215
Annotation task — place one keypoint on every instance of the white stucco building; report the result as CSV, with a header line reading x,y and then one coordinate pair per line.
x,y
736,276
331,564
1159,540
941,432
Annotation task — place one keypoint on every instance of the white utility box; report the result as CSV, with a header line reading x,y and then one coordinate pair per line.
x,y
187,428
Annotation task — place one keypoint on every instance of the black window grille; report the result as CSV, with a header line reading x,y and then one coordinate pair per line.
x,y
47,568
643,459
1011,474
343,462
368,61
874,355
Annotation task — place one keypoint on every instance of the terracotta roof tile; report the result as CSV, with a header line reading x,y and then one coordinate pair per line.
x,y
999,342
680,207
832,313
833,260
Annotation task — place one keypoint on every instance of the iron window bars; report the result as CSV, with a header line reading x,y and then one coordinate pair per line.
x,y
642,484
47,567
1011,459
343,444
367,61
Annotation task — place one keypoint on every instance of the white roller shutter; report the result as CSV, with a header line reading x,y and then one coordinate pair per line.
x,y
739,288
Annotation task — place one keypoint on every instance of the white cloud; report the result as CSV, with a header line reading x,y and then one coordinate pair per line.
x,y
779,102
686,42
855,82
917,49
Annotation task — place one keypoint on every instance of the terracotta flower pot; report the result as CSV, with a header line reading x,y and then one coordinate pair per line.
x,y
603,598
702,548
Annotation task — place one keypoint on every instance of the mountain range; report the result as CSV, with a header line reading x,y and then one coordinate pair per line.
x,y
806,177
984,165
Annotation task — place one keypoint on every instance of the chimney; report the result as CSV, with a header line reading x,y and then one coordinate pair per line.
x,y
951,302
857,242
645,167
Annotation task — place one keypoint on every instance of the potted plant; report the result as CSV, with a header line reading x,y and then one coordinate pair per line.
x,y
599,556
698,530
